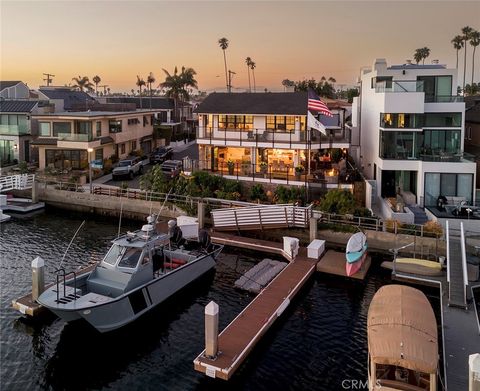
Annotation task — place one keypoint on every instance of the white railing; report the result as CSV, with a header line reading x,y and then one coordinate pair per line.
x,y
447,231
16,182
262,216
464,262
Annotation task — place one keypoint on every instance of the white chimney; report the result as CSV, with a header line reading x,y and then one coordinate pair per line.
x,y
409,62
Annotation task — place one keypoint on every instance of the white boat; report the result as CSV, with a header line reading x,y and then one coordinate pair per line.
x,y
140,271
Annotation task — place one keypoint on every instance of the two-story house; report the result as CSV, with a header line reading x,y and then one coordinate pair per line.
x,y
411,126
264,137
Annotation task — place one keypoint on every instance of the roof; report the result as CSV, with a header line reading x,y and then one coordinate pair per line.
x,y
402,329
418,66
6,84
17,106
288,103
68,96
88,114
44,141
157,103
106,140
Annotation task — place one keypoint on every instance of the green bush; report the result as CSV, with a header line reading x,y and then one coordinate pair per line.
x,y
338,201
257,193
285,195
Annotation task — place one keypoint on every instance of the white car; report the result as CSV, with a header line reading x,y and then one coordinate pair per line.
x,y
128,167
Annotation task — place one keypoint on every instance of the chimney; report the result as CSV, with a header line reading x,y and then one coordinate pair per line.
x,y
434,61
409,62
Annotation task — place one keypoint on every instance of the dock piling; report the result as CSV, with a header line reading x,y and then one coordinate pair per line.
x,y
211,330
201,215
313,228
474,372
34,193
38,277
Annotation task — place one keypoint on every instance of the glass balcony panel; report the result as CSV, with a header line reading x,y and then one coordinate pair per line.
x,y
14,130
74,137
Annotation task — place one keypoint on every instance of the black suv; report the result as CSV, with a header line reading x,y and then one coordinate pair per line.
x,y
160,154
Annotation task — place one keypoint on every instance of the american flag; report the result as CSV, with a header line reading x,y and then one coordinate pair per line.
x,y
315,104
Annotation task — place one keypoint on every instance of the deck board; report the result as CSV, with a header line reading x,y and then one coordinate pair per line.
x,y
333,262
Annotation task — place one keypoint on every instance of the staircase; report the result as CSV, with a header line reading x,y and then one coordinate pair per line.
x,y
420,215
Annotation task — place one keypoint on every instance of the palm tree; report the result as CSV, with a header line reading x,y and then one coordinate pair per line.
x,y
425,53
96,79
150,81
140,83
466,31
474,41
418,55
248,61
133,92
82,82
457,45
177,85
223,43
287,83
252,67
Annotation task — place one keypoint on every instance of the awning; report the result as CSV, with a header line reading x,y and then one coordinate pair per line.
x,y
44,141
402,329
146,138
106,140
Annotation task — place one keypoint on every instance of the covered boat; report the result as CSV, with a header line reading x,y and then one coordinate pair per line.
x,y
402,340
141,270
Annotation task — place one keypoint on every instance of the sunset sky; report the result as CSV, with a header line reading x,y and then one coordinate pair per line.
x,y
118,40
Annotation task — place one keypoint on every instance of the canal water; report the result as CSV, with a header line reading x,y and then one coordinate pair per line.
x,y
319,342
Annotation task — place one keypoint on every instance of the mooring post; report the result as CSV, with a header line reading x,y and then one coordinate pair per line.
x,y
473,372
38,277
211,329
313,228
34,192
201,214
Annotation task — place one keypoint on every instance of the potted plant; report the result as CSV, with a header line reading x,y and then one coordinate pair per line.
x,y
263,167
299,170
246,166
231,166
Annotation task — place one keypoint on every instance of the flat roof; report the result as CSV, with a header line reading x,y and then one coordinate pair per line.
x,y
88,114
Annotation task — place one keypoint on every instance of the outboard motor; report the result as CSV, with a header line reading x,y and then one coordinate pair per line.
x,y
205,240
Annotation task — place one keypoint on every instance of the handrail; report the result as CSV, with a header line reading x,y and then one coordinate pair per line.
x,y
464,263
448,255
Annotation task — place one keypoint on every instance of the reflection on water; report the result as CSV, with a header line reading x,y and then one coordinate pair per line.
x,y
319,340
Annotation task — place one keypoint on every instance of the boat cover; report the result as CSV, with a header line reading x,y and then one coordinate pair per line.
x,y
402,329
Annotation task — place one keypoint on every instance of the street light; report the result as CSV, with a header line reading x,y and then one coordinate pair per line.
x,y
90,150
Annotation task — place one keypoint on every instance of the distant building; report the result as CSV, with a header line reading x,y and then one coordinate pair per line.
x,y
65,98
14,90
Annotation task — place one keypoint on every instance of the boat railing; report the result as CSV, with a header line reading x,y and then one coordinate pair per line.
x,y
61,273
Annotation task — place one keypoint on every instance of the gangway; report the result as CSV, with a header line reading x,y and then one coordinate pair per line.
x,y
16,182
457,277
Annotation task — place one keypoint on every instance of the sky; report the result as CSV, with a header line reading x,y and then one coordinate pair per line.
x,y
119,40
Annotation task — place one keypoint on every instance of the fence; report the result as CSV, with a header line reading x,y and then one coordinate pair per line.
x,y
16,182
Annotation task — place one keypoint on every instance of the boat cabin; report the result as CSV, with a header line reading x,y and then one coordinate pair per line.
x,y
402,340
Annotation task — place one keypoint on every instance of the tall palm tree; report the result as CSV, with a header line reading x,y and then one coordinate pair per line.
x,y
150,81
96,79
248,61
418,55
457,45
425,53
252,67
223,43
82,82
466,31
177,85
474,41
140,83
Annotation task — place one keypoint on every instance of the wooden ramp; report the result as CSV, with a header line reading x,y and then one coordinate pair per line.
x,y
241,335
333,262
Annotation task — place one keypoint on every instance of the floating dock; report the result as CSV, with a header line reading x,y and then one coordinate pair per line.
x,y
333,262
237,340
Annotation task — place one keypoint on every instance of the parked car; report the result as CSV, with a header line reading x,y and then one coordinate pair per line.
x,y
172,168
128,167
161,154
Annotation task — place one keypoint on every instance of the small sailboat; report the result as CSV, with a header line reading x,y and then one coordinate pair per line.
x,y
356,253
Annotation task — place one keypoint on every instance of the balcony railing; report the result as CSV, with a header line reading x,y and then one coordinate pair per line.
x,y
274,138
74,137
13,130
399,86
443,98
438,156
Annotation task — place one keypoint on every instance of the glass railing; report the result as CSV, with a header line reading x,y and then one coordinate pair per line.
x,y
443,98
399,86
74,137
13,130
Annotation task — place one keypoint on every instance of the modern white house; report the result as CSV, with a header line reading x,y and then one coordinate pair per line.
x,y
411,127
264,137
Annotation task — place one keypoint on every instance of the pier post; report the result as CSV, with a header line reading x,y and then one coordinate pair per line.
x,y
313,228
34,192
211,329
201,214
38,279
473,372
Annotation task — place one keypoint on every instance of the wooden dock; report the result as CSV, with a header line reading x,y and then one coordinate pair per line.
x,y
333,262
242,334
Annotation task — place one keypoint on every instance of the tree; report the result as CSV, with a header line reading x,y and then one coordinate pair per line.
x,y
286,83
252,67
474,41
150,81
96,79
425,53
338,201
473,89
177,85
82,82
466,32
248,61
140,83
352,93
457,45
223,43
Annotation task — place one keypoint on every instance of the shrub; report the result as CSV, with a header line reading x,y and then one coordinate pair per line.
x,y
338,201
434,228
257,193
389,225
23,167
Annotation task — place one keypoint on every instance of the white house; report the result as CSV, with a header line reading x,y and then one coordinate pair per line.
x,y
411,126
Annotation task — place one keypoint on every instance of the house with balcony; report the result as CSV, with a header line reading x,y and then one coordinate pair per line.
x,y
411,127
65,137
264,137
17,130
472,132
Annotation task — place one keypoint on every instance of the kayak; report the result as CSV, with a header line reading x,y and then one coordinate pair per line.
x,y
420,262
352,268
412,269
356,247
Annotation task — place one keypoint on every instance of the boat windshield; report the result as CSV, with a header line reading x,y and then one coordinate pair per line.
x,y
113,254
130,257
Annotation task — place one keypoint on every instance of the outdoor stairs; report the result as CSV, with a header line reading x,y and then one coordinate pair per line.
x,y
456,289
420,215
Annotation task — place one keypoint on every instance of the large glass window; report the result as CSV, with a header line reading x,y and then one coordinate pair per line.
x,y
436,88
64,158
115,126
436,142
98,128
443,119
44,129
280,123
398,145
61,128
446,184
235,122
130,258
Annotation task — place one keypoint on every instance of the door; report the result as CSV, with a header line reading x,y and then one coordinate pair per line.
x,y
388,184
26,150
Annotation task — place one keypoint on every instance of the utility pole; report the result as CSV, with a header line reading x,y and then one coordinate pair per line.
x,y
230,73
49,78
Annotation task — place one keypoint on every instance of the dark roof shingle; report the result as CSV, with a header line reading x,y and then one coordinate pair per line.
x,y
6,84
17,106
157,103
288,103
69,97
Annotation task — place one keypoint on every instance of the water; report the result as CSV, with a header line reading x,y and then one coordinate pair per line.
x,y
319,341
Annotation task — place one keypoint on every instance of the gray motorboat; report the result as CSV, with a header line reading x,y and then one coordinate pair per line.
x,y
141,270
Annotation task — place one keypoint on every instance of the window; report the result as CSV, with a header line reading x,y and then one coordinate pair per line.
x,y
64,158
134,145
99,154
84,128
122,148
44,128
145,120
98,128
113,254
382,82
234,122
454,185
115,125
133,121
436,88
62,128
130,258
280,123
443,119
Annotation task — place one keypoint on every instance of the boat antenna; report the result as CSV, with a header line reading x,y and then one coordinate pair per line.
x,y
120,219
71,241
163,204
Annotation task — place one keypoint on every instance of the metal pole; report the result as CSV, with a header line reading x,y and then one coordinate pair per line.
x,y
89,151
